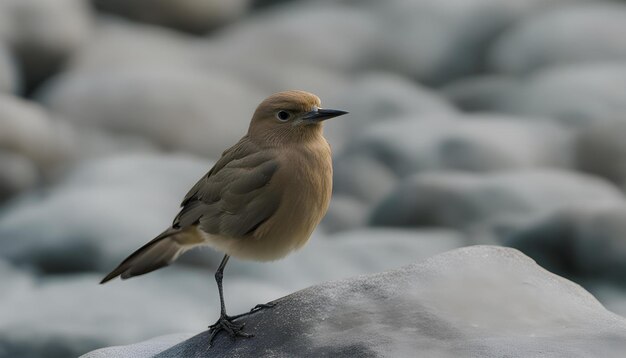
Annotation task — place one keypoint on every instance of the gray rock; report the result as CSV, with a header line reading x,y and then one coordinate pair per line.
x,y
488,93
576,95
178,108
44,33
477,301
464,200
344,213
316,58
17,174
119,44
69,315
182,299
569,34
9,78
362,177
438,41
29,131
601,150
380,97
101,212
586,242
196,16
475,142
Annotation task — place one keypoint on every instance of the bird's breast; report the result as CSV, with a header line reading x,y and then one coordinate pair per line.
x,y
304,181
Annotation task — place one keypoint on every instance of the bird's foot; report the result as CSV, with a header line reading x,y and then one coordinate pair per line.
x,y
225,323
256,308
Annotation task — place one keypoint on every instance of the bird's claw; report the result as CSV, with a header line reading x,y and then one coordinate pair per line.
x,y
261,306
233,329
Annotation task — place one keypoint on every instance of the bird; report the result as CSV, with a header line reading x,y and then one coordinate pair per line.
x,y
260,201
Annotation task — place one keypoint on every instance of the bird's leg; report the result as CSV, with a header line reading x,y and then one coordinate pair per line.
x,y
225,323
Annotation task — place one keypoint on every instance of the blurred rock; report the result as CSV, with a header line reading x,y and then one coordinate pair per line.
x,y
471,142
300,46
489,93
44,34
379,97
577,95
486,301
42,319
178,108
195,16
601,150
9,79
578,33
119,44
30,132
17,174
99,214
121,312
613,298
463,200
587,242
344,213
362,177
438,41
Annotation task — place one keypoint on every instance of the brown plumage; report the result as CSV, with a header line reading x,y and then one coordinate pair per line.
x,y
261,200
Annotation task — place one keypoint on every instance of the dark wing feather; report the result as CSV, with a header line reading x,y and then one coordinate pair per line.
x,y
231,200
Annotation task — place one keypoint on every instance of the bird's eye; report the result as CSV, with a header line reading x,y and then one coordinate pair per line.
x,y
283,115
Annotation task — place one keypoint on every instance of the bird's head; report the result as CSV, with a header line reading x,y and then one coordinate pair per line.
x,y
289,116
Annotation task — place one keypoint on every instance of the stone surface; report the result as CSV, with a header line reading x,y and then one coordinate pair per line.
x,y
180,109
18,174
601,150
464,200
438,41
466,142
32,134
44,34
196,16
98,214
483,301
577,95
488,93
587,242
184,298
574,33
380,97
9,78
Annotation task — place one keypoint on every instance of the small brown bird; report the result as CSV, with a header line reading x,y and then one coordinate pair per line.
x,y
261,200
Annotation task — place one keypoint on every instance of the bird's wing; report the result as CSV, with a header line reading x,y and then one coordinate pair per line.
x,y
233,199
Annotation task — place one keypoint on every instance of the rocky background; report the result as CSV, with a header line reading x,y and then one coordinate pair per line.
x,y
495,122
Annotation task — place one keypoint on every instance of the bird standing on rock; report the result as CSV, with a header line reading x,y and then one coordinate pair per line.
x,y
261,200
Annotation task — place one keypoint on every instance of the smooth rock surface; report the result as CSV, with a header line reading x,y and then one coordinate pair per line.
x,y
44,34
31,132
483,142
179,108
574,33
101,212
586,243
476,301
196,16
184,298
463,200
9,78
601,150
438,41
576,95
378,97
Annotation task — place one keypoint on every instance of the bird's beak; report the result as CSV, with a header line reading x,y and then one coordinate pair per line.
x,y
322,114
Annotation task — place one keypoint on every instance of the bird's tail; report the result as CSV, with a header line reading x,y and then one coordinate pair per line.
x,y
160,252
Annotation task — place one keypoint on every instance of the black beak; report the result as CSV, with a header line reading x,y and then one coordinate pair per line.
x,y
323,114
